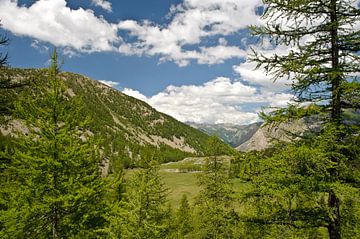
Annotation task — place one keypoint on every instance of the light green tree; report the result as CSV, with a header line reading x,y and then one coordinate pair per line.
x,y
184,222
215,200
144,213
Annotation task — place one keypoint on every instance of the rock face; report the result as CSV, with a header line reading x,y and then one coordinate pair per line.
x,y
234,135
130,128
262,139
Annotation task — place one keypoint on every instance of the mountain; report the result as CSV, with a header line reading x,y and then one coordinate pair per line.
x,y
234,135
287,131
130,129
263,137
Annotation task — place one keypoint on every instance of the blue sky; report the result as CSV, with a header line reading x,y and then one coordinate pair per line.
x,y
186,58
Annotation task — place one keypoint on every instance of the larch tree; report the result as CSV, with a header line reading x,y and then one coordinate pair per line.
x,y
323,63
144,211
184,219
53,181
215,199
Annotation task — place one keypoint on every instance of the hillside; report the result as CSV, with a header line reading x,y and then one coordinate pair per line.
x,y
130,129
234,135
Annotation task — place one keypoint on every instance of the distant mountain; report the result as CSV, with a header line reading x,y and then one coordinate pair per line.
x,y
287,131
234,135
130,128
263,137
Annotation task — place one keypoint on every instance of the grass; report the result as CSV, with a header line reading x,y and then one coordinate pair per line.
x,y
180,184
182,178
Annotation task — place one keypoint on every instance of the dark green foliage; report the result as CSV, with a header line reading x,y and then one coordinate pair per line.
x,y
53,187
290,186
308,187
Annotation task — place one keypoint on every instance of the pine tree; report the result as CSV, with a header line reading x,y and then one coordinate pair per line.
x,y
144,211
54,186
215,199
184,221
323,63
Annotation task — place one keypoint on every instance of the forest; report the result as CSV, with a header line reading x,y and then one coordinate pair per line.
x,y
52,180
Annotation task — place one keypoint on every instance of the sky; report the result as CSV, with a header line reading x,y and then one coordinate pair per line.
x,y
186,58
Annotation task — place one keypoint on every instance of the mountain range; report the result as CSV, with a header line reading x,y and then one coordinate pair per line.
x,y
234,135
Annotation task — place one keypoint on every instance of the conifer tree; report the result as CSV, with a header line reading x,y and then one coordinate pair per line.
x,y
144,211
184,221
54,186
216,196
322,63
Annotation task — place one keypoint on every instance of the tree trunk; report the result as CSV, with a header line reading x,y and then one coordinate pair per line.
x,y
334,226
335,76
334,221
54,222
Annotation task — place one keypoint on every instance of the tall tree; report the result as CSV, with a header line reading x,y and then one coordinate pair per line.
x,y
53,183
144,211
215,200
322,62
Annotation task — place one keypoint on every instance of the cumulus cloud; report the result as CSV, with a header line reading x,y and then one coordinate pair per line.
x,y
221,100
103,4
53,21
259,77
109,83
136,94
191,23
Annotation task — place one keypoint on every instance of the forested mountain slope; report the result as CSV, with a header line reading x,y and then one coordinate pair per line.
x,y
129,129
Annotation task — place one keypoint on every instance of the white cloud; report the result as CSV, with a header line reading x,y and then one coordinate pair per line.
x,y
134,93
53,21
109,83
40,47
259,77
191,23
103,4
218,101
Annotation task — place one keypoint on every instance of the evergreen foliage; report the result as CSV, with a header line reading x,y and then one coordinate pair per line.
x,y
310,187
215,200
52,187
184,221
143,211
